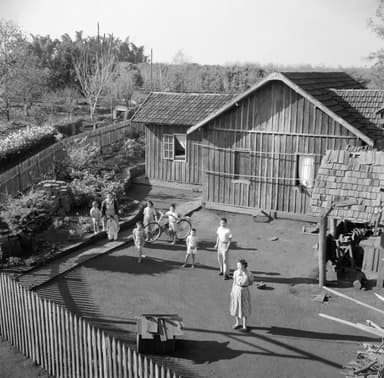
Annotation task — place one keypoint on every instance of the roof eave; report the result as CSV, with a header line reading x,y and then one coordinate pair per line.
x,y
296,88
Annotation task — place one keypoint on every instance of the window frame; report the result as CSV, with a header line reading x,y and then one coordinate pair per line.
x,y
168,154
168,147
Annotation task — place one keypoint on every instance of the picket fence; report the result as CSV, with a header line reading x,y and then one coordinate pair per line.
x,y
32,170
63,344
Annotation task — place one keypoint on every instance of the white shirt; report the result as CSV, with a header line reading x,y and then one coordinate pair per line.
x,y
172,216
224,234
149,213
191,241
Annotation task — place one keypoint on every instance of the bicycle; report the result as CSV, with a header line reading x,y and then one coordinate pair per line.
x,y
153,230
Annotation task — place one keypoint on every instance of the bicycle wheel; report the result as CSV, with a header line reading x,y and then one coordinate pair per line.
x,y
183,228
152,231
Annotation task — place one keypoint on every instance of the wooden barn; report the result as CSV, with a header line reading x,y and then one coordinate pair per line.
x,y
260,149
169,155
263,149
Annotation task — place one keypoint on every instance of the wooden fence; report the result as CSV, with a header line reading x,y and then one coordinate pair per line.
x,y
64,344
32,170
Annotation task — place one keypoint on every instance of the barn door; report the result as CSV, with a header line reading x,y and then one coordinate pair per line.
x,y
241,179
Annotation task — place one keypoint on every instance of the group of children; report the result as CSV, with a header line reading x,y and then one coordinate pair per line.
x,y
150,215
107,217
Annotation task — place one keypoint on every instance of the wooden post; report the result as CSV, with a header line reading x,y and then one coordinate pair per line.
x,y
322,249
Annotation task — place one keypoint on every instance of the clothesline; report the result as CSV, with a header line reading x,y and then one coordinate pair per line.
x,y
250,176
256,152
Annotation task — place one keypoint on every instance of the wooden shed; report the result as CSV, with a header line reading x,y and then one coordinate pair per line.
x,y
263,149
169,155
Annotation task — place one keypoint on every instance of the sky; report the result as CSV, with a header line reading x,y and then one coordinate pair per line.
x,y
286,32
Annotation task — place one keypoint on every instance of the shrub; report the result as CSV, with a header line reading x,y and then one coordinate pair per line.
x,y
91,187
21,141
28,213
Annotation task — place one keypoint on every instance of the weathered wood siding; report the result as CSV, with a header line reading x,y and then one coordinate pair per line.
x,y
158,168
270,128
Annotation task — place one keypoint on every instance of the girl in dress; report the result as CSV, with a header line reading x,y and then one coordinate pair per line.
x,y
240,306
138,238
112,228
109,208
150,215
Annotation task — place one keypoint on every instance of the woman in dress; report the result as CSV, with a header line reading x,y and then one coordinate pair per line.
x,y
109,209
150,215
240,296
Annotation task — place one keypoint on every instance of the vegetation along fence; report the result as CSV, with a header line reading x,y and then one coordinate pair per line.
x,y
32,170
64,344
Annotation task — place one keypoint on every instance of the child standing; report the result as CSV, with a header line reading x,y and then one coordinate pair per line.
x,y
112,228
138,237
191,247
95,214
173,218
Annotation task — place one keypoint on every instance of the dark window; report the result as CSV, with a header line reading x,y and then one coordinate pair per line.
x,y
242,165
180,141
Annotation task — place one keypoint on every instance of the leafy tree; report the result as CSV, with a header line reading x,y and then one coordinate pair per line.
x,y
21,79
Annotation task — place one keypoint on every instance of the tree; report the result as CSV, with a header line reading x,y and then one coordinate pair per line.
x,y
11,43
377,26
94,70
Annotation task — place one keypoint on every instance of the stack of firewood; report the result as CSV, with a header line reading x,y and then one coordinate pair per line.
x,y
369,361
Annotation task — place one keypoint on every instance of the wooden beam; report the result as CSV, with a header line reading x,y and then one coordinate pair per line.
x,y
353,300
322,250
360,327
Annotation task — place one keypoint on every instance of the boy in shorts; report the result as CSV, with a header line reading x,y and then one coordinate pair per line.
x,y
191,247
173,218
223,241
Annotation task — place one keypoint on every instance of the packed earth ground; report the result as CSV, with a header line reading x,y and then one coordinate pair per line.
x,y
287,338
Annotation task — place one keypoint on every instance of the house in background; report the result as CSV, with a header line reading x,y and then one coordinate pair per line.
x,y
260,149
169,155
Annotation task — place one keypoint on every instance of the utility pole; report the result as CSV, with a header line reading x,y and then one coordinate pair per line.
x,y
151,71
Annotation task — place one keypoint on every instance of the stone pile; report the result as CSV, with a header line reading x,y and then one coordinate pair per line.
x,y
59,192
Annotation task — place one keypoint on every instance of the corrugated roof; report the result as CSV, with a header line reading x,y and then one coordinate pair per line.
x,y
169,108
356,176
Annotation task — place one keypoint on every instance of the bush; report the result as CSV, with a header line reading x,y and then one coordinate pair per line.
x,y
28,213
70,128
20,142
91,187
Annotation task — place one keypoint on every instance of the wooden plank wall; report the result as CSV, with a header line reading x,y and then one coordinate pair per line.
x,y
34,169
272,126
157,168
64,344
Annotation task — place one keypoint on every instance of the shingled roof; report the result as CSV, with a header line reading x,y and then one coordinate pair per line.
x,y
336,93
168,108
356,176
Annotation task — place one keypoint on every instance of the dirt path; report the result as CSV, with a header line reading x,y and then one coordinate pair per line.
x,y
287,338
14,365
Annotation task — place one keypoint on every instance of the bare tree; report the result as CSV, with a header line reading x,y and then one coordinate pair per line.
x,y
94,70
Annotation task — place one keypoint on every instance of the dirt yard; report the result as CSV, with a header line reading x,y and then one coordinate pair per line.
x,y
287,337
14,365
